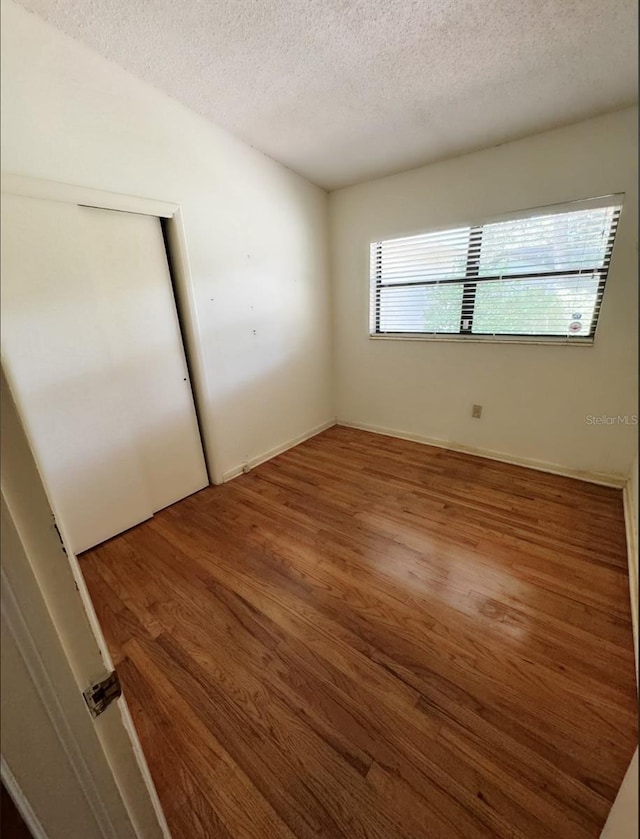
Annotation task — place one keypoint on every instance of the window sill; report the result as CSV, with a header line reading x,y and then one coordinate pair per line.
x,y
488,339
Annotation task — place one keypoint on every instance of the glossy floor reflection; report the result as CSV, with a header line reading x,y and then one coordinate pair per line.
x,y
367,637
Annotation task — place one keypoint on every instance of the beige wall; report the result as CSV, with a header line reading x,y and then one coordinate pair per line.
x,y
536,398
256,232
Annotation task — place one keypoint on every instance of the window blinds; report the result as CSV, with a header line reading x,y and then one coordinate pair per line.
x,y
540,274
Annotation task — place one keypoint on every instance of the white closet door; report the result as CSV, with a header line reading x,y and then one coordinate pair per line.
x,y
135,299
57,358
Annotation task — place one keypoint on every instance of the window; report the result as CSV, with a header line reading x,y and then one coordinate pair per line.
x,y
535,275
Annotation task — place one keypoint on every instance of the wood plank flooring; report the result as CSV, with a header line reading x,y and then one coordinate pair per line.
x,y
367,637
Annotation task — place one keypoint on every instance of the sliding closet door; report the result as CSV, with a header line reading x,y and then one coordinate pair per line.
x,y
92,349
57,358
133,294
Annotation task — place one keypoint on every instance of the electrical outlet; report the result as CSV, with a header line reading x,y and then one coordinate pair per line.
x,y
476,411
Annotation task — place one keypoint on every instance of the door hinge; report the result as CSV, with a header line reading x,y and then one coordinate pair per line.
x,y
57,529
101,694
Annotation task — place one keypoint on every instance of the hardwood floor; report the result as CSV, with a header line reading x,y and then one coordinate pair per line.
x,y
367,637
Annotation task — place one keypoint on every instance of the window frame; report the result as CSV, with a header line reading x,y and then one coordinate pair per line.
x,y
469,283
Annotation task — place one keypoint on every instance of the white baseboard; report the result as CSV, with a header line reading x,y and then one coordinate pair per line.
x,y
610,480
127,720
22,805
283,447
631,526
542,466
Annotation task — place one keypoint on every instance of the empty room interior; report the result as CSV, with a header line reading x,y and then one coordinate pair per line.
x,y
319,419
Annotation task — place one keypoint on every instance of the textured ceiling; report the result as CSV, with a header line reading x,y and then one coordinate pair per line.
x,y
345,90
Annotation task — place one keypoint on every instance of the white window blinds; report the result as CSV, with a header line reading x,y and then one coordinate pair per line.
x,y
540,274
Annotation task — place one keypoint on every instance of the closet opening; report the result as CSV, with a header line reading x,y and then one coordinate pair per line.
x,y
177,259
107,383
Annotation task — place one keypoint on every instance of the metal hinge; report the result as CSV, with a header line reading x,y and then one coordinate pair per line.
x,y
101,694
57,529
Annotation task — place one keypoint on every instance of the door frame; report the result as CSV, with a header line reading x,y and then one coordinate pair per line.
x,y
50,617
172,214
111,770
17,627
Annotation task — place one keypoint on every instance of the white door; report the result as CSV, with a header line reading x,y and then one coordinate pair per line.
x,y
131,276
71,775
92,351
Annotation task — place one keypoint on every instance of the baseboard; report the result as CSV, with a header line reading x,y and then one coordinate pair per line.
x,y
127,720
604,479
632,555
283,447
22,805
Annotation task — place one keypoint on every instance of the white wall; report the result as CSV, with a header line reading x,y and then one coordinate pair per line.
x,y
535,398
622,822
256,233
257,239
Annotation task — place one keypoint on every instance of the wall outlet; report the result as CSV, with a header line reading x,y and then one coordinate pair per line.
x,y
476,411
